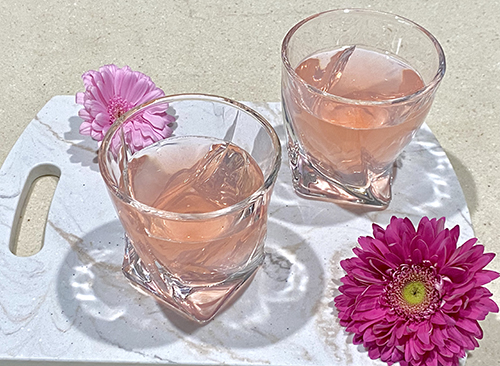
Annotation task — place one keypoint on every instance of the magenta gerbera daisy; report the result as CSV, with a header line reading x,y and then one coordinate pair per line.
x,y
109,93
411,296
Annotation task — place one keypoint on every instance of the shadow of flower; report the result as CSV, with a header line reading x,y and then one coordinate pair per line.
x,y
82,150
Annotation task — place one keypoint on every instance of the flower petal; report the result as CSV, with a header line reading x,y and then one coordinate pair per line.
x,y
373,314
157,121
482,262
416,256
470,326
423,332
79,98
452,346
365,276
85,128
455,273
438,318
489,305
485,276
438,338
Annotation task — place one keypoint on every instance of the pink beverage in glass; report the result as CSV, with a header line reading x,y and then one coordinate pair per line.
x,y
194,206
350,110
191,175
349,141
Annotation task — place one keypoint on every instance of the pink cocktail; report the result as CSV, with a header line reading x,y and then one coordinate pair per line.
x,y
356,86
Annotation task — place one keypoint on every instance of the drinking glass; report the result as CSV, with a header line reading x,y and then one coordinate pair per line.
x,y
194,205
356,86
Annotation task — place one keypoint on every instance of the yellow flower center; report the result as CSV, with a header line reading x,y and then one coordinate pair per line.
x,y
414,293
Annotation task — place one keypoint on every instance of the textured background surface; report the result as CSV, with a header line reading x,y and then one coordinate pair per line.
x,y
231,48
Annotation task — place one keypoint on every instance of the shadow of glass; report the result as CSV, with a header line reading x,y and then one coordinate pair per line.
x,y
466,182
426,184
281,299
98,300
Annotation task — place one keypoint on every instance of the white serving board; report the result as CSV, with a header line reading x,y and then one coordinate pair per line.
x,y
70,302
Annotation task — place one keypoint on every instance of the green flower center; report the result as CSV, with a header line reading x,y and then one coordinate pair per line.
x,y
413,292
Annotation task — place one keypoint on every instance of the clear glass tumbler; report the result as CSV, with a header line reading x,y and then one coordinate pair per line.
x,y
356,87
194,205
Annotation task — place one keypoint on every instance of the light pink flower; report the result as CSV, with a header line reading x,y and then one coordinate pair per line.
x,y
412,296
109,93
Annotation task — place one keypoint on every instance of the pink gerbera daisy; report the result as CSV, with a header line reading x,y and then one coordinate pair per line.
x,y
109,93
412,296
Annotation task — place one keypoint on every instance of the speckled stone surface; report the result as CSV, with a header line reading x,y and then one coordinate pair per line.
x,y
231,48
71,302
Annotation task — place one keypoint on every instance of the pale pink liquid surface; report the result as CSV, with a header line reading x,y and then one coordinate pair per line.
x,y
192,175
344,139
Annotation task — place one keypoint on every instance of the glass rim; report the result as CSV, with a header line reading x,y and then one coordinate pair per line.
x,y
431,85
269,180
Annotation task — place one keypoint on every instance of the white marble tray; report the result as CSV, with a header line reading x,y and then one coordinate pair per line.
x,y
70,302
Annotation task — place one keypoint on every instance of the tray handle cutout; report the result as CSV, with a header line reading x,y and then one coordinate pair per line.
x,y
30,219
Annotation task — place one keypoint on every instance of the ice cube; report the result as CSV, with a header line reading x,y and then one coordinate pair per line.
x,y
226,177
